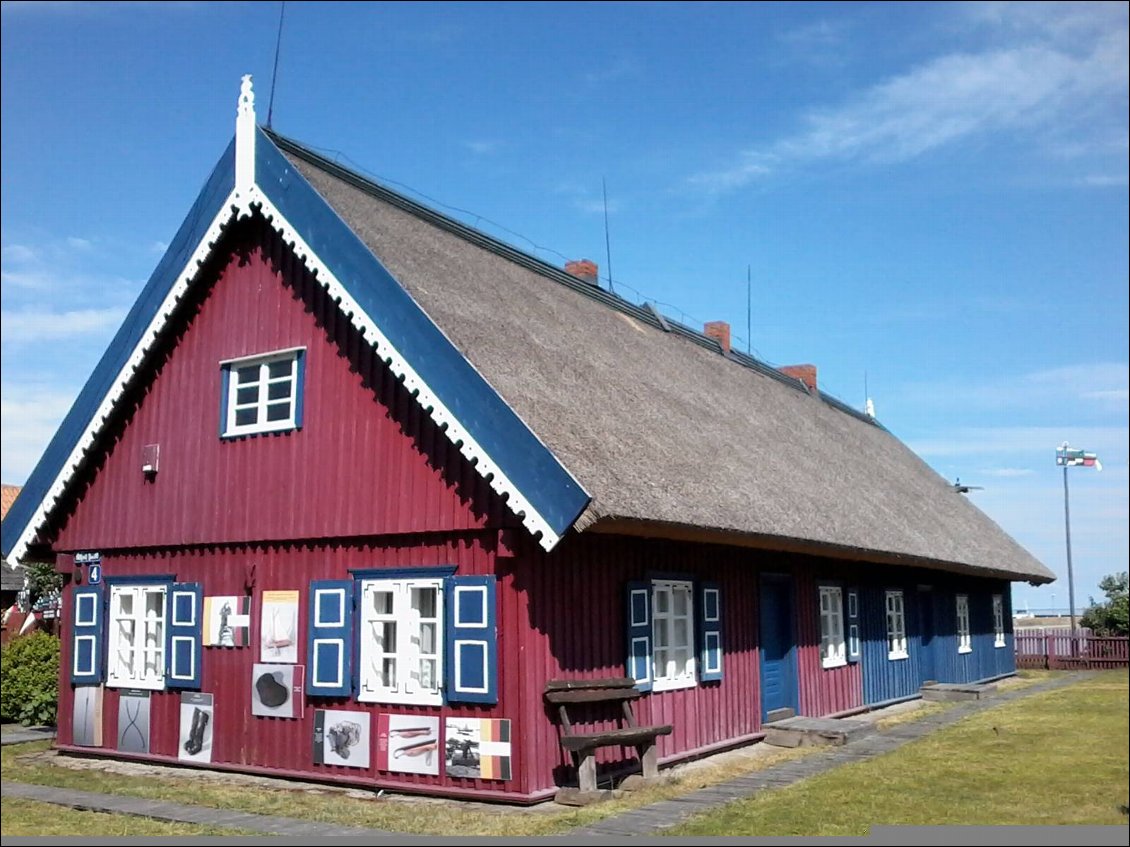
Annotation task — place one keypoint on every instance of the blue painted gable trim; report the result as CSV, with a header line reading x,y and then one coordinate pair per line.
x,y
528,463
100,383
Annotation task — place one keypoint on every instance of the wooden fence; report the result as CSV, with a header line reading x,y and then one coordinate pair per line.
x,y
1060,650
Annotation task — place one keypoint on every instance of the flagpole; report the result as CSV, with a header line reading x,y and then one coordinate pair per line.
x,y
1067,530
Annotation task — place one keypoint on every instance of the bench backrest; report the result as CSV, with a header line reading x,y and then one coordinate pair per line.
x,y
562,691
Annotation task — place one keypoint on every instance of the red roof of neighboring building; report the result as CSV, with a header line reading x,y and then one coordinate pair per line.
x,y
7,498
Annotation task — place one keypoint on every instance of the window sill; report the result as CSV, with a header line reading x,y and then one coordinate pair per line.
x,y
143,684
999,644
964,649
896,656
281,426
673,684
833,663
401,699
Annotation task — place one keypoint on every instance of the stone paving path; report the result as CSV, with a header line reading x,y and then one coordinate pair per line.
x,y
642,821
668,813
178,812
23,734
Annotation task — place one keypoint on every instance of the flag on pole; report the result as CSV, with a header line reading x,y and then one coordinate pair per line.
x,y
1068,456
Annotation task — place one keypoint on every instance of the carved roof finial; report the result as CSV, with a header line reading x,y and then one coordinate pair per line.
x,y
246,98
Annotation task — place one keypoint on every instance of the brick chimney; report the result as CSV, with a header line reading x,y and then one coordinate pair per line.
x,y
584,269
720,332
805,373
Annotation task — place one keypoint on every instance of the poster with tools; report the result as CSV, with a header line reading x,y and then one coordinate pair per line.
x,y
278,627
276,691
197,727
408,744
227,621
341,737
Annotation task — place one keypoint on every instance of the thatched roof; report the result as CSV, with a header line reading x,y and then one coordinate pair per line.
x,y
658,426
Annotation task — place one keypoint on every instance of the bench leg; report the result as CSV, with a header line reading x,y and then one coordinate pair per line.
x,y
649,760
586,771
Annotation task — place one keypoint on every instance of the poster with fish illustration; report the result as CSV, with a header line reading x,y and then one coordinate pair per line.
x,y
408,744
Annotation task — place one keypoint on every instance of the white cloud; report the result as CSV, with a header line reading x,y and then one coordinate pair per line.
x,y
1013,440
1038,90
482,147
1102,386
1006,473
31,415
31,326
20,253
619,68
79,243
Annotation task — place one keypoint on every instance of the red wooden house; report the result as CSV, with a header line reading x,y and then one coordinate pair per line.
x,y
355,480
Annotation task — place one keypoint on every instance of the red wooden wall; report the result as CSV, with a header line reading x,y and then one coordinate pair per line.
x,y
366,462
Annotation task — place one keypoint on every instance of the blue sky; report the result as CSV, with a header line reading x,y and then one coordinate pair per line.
x,y
931,198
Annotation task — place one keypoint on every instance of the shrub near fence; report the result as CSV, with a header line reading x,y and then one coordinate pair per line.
x,y
1054,651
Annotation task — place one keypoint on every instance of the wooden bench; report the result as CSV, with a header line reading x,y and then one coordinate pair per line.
x,y
564,693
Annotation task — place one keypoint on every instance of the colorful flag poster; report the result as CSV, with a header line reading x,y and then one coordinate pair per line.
x,y
408,744
278,627
227,621
477,748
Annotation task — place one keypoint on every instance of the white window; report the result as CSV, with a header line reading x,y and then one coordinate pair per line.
x,y
964,636
998,621
262,393
672,640
833,651
896,626
136,632
401,641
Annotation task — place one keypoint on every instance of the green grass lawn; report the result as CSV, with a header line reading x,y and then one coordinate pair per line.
x,y
28,817
1053,758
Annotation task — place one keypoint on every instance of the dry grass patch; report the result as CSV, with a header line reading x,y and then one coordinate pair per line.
x,y
30,817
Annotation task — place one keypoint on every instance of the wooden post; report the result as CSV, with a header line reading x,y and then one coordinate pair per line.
x,y
586,771
649,761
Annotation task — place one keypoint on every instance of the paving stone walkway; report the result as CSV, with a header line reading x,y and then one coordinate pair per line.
x,y
642,821
668,813
178,812
22,734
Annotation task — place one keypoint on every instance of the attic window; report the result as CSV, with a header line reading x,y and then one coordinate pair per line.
x,y
262,393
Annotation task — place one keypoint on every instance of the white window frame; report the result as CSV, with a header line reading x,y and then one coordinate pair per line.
x,y
262,401
151,674
998,621
896,626
833,647
665,674
964,633
408,622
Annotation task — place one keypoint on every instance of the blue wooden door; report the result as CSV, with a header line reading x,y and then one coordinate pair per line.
x,y
778,647
926,665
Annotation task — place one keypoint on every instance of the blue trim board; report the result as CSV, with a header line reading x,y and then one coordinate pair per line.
x,y
528,463
423,572
209,202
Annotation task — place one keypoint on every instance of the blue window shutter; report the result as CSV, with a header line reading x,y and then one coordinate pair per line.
x,y
472,639
184,635
225,379
299,388
853,627
329,644
88,627
637,625
710,632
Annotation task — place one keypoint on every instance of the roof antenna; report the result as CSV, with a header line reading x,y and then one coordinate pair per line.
x,y
607,241
748,310
275,72
868,405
